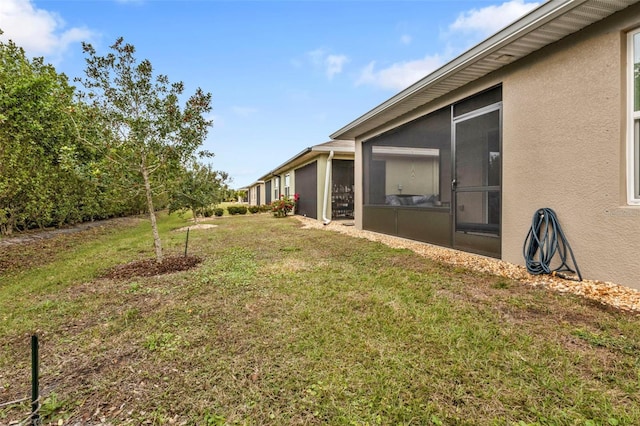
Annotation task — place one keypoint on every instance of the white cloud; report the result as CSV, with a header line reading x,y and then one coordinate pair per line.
x,y
399,75
38,31
469,28
406,39
243,111
334,64
330,64
490,19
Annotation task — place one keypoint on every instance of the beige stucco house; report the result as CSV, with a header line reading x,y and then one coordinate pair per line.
x,y
256,193
543,114
322,176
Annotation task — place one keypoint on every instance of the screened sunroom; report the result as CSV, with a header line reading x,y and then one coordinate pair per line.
x,y
438,178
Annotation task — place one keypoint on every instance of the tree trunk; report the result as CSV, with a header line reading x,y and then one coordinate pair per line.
x,y
9,223
152,214
195,215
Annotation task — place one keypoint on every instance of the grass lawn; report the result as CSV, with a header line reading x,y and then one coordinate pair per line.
x,y
280,325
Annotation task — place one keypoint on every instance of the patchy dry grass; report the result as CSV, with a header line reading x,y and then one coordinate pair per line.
x,y
287,326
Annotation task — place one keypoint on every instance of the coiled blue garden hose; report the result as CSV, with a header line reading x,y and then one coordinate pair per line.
x,y
544,240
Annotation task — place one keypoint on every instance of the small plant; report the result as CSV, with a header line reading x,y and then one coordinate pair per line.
x,y
162,341
214,420
501,283
130,315
134,287
254,209
234,210
218,211
50,406
284,205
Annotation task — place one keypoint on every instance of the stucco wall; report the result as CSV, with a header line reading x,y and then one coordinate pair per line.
x,y
253,194
564,148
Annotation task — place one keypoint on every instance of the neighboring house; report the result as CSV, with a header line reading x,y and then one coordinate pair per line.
x,y
322,176
243,195
545,113
256,194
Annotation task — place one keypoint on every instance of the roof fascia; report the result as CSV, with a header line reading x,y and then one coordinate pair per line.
x,y
286,165
341,150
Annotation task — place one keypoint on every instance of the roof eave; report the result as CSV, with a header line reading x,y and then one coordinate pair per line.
x,y
305,155
285,165
336,150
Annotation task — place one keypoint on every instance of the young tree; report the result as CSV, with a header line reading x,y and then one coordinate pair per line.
x,y
144,131
200,188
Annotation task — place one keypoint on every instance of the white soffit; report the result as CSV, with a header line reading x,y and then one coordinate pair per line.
x,y
545,25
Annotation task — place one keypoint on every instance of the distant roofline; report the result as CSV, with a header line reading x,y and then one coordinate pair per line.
x,y
337,146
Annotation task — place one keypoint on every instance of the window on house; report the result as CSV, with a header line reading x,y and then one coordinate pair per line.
x,y
276,188
287,184
633,133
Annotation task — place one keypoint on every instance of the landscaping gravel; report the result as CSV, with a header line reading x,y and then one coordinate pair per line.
x,y
607,293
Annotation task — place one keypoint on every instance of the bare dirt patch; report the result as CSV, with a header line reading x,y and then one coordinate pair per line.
x,y
198,226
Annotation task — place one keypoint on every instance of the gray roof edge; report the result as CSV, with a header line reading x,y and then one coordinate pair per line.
x,y
282,166
332,145
529,22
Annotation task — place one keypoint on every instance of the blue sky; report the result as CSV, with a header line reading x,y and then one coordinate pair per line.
x,y
284,75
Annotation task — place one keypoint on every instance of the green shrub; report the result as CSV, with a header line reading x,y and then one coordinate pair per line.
x,y
219,211
233,210
254,209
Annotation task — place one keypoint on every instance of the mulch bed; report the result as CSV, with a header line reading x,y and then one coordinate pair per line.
x,y
150,268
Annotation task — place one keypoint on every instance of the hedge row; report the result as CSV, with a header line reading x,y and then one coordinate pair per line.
x,y
236,209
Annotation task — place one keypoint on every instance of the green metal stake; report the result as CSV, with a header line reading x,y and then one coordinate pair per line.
x,y
186,244
35,417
